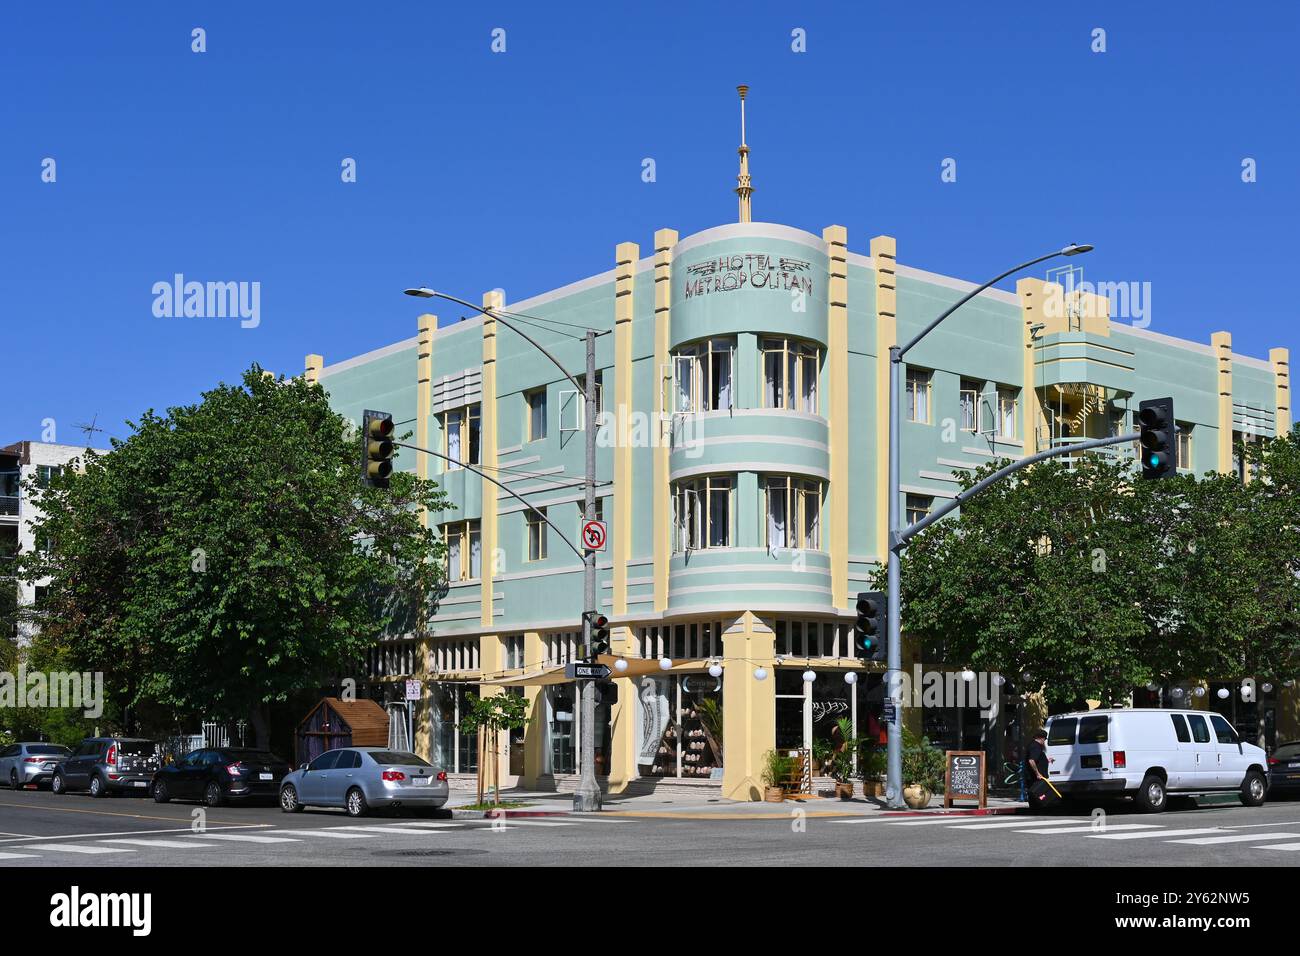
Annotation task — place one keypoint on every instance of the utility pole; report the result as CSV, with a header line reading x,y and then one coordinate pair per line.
x,y
587,797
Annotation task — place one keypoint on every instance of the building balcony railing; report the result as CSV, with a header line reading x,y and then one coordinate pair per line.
x,y
1122,452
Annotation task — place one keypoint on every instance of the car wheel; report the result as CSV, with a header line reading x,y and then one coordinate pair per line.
x,y
160,794
289,800
97,787
213,796
1254,789
13,780
1152,796
56,784
356,803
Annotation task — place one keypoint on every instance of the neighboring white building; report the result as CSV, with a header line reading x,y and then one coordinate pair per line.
x,y
20,463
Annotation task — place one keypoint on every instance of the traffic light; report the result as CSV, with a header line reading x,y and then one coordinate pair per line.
x,y
376,448
870,630
1157,437
599,636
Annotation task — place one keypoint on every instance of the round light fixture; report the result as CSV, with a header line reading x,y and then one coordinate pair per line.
x,y
760,673
851,677
809,677
968,675
715,670
1223,693
620,665
665,664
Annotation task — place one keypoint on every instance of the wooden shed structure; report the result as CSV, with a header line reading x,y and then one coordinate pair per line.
x,y
340,723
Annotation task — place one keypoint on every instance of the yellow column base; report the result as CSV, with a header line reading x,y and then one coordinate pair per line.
x,y
748,707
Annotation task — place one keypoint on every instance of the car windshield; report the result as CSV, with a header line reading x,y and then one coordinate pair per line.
x,y
253,756
1287,752
387,758
44,750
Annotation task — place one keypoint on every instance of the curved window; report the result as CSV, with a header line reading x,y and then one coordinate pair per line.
x,y
793,508
790,372
702,376
702,513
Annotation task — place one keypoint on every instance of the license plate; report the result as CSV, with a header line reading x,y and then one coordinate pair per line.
x,y
139,783
48,766
266,776
1294,765
420,781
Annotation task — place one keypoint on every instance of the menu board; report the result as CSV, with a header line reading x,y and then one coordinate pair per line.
x,y
963,776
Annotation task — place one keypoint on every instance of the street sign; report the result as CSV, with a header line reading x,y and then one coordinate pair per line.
x,y
889,714
963,776
413,690
594,535
576,670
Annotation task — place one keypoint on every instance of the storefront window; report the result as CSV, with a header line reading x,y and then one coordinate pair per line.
x,y
681,726
564,723
452,750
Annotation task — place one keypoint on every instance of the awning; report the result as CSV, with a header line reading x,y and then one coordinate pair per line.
x,y
636,667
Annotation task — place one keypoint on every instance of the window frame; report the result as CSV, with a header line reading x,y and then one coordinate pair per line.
x,y
692,512
697,360
535,543
915,377
795,355
975,389
465,531
1007,395
535,408
795,491
908,508
1183,448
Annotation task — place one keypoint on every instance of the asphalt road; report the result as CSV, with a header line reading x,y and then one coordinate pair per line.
x,y
40,829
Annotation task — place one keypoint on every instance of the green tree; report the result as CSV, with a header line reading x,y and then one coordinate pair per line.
x,y
487,717
226,555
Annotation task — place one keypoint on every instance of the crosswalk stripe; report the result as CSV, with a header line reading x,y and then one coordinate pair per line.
x,y
1238,838
593,818
1090,829
17,856
539,823
78,848
1014,823
322,833
241,838
390,830
1278,846
950,819
169,844
436,826
1162,832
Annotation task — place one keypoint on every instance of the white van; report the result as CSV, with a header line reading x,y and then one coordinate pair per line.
x,y
1148,754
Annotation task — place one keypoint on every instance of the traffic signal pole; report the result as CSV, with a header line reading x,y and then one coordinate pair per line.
x,y
587,797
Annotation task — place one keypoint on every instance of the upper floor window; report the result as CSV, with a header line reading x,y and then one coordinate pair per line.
x,y
918,507
536,534
790,369
971,394
461,436
793,508
702,513
512,647
918,395
45,473
536,404
1184,445
702,376
464,542
1007,398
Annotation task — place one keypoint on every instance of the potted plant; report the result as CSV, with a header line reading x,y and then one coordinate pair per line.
x,y
874,765
776,768
821,756
922,771
842,768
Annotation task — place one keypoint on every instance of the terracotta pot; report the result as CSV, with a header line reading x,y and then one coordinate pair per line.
x,y
916,796
773,794
873,788
844,790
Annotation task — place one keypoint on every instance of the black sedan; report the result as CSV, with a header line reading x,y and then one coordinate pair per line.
x,y
1284,769
219,775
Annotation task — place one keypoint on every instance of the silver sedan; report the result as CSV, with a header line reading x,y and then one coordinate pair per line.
x,y
24,763
359,779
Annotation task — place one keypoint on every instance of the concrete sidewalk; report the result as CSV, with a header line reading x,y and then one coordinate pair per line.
x,y
689,806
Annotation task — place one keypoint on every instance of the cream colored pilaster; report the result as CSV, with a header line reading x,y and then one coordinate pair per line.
x,y
1222,343
311,368
665,239
1042,304
623,723
535,729
488,453
423,393
626,255
884,257
492,660
1280,359
749,715
837,367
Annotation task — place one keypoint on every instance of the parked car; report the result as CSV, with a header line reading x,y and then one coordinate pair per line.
x,y
105,765
1284,768
1149,754
363,778
221,774
24,763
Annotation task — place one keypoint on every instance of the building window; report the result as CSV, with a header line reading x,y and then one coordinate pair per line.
x,y
679,726
513,651
793,509
918,395
461,436
1184,439
918,507
698,640
455,656
536,400
971,392
790,373
1007,412
536,534
464,550
814,639
702,376
453,751
46,473
702,513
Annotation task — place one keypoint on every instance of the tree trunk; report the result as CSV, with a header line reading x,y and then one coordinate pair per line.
x,y
480,765
259,719
496,768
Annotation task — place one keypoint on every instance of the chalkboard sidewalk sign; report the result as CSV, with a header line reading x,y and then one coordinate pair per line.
x,y
963,777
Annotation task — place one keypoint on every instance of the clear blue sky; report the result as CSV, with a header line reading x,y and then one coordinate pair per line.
x,y
523,170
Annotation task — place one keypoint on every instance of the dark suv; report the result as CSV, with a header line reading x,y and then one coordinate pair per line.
x,y
103,765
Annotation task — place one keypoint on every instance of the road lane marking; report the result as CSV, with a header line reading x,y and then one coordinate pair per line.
x,y
247,838
1014,823
537,823
75,848
98,813
18,856
1238,838
111,833
1162,832
166,844
1278,846
389,830
324,833
1091,829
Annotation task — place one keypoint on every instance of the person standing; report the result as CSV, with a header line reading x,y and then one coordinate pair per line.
x,y
1035,760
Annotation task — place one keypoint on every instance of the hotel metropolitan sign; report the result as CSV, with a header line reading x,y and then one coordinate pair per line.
x,y
748,270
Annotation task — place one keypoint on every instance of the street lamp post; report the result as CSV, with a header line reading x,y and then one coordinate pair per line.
x,y
894,650
587,796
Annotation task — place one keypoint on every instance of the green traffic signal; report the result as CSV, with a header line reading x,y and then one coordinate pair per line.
x,y
376,448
